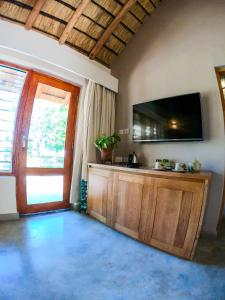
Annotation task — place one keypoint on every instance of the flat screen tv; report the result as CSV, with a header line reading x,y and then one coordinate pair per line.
x,y
171,119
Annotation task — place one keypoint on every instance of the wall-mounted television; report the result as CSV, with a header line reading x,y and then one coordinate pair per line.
x,y
171,119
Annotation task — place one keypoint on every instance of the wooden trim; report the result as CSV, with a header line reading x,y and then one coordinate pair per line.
x,y
9,64
34,13
45,207
110,29
221,71
205,195
78,12
127,231
97,216
7,174
19,119
148,171
44,171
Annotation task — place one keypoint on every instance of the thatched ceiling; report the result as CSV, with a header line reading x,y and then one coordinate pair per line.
x,y
98,28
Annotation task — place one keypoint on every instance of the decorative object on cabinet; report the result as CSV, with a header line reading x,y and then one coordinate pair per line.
x,y
196,165
180,167
105,145
163,164
158,165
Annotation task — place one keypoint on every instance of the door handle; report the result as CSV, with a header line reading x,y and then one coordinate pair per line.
x,y
24,141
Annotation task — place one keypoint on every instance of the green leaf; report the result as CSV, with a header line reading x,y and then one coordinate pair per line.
x,y
107,142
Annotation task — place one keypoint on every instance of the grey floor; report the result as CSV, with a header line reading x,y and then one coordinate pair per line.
x,y
70,256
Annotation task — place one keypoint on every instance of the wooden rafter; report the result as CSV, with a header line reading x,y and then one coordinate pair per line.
x,y
102,29
34,13
110,28
78,12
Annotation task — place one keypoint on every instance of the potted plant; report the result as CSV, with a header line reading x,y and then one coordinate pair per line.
x,y
105,145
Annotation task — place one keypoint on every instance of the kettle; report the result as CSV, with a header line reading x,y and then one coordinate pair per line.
x,y
132,158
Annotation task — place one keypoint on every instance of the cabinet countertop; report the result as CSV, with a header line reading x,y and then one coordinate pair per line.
x,y
204,175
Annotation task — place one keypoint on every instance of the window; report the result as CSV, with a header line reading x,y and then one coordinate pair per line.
x,y
11,86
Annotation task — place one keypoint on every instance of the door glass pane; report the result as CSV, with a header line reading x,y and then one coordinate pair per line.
x,y
11,86
46,141
44,189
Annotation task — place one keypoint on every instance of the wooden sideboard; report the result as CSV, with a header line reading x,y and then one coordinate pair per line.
x,y
161,209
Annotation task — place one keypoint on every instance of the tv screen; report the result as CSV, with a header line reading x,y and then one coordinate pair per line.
x,y
171,119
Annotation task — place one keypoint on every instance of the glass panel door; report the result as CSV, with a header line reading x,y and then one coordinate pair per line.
x,y
46,148
51,189
47,134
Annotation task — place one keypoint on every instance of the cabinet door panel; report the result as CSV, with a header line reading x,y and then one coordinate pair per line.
x,y
177,213
129,193
166,215
184,217
100,194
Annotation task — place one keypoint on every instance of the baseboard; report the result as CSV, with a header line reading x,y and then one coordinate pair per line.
x,y
9,217
75,206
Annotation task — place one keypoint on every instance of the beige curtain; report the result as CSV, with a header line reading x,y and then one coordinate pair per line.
x,y
96,116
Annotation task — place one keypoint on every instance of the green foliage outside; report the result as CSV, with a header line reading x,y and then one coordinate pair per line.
x,y
48,129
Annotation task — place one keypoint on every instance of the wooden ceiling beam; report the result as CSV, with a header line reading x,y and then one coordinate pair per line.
x,y
34,13
78,12
106,34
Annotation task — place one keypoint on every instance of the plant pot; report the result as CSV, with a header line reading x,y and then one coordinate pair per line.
x,y
106,155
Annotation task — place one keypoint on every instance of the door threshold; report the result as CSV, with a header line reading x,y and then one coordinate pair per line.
x,y
44,212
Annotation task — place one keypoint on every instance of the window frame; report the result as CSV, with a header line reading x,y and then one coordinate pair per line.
x,y
19,116
220,71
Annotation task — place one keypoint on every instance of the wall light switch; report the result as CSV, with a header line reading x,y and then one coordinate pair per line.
x,y
121,131
126,131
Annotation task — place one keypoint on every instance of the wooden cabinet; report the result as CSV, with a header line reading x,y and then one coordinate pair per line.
x,y
164,210
100,192
177,209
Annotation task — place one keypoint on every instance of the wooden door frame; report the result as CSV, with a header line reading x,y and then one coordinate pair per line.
x,y
219,71
75,91
23,129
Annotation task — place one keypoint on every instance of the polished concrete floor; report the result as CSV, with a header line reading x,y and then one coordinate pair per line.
x,y
68,256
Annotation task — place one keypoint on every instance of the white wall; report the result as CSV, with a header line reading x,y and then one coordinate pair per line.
x,y
175,53
7,195
34,50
